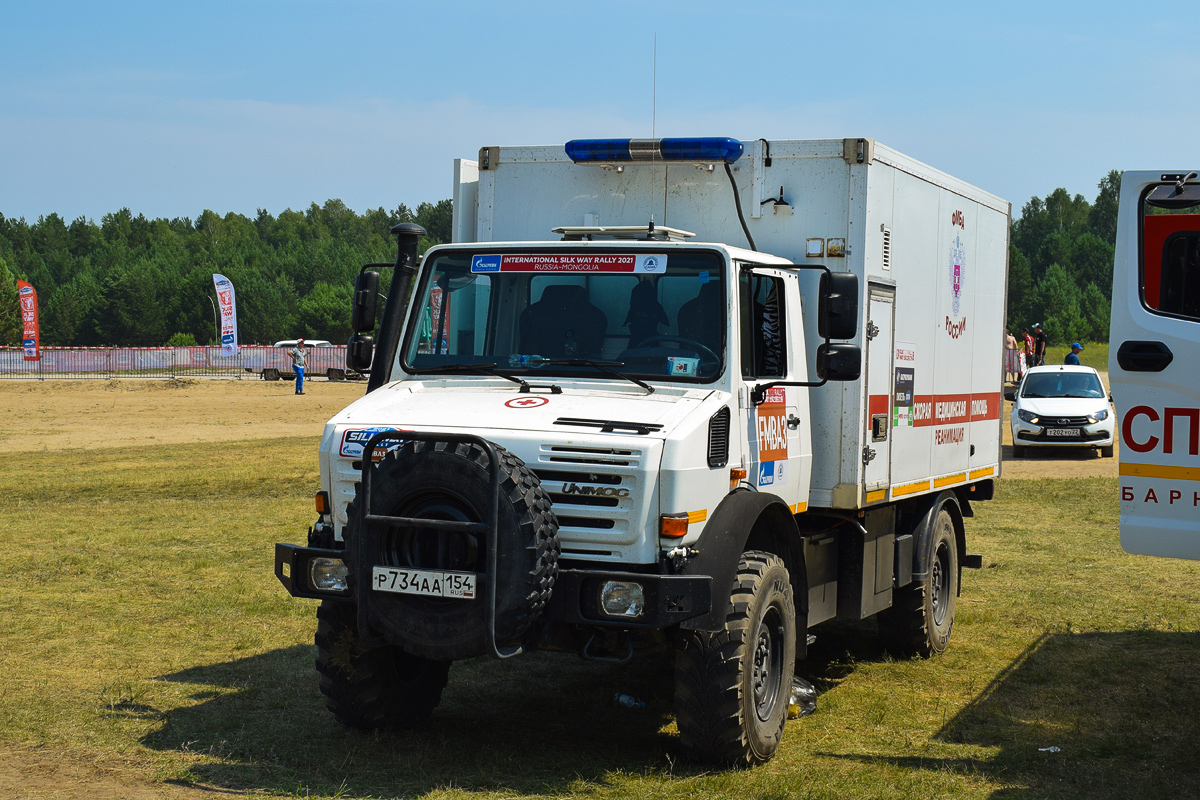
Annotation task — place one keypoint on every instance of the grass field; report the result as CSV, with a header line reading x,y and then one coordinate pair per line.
x,y
149,652
1095,354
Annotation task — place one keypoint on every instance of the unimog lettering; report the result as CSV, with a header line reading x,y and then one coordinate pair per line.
x,y
594,491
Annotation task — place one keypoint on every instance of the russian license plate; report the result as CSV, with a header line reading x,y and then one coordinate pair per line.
x,y
1063,432
425,582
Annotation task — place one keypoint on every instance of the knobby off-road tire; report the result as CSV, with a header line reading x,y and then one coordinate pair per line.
x,y
921,618
368,688
732,687
451,482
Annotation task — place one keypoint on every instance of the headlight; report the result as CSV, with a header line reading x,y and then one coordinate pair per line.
x,y
328,575
1027,416
1099,416
622,599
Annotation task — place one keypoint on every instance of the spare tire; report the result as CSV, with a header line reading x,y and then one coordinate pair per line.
x,y
450,481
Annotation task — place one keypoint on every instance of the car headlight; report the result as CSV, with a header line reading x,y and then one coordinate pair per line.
x,y
1099,416
1027,416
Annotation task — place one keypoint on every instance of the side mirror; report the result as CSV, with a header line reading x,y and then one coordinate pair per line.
x,y
839,361
359,351
366,293
837,315
1011,395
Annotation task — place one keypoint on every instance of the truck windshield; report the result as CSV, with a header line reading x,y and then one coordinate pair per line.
x,y
661,315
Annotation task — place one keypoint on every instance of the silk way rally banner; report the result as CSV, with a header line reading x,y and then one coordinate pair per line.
x,y
227,303
27,298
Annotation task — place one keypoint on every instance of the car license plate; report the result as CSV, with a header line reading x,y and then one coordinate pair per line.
x,y
429,583
1063,432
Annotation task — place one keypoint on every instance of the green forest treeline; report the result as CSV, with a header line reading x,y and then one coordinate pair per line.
x,y
145,282
137,281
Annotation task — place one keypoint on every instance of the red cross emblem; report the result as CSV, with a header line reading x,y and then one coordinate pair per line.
x,y
527,402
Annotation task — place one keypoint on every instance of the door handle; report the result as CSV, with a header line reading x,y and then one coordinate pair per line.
x,y
1134,356
793,420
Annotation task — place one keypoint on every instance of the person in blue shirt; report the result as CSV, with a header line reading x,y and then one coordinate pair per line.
x,y
297,354
1073,356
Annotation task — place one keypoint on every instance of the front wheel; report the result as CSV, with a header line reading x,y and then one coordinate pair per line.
x,y
921,618
731,688
1106,452
372,687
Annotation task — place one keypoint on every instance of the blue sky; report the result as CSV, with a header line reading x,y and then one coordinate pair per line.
x,y
169,108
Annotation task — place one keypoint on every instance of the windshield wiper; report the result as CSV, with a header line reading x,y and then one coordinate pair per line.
x,y
603,366
487,369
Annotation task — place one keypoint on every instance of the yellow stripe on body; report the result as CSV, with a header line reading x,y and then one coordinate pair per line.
x,y
910,488
949,479
1160,471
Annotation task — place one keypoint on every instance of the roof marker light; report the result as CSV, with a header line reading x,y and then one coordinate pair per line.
x,y
607,151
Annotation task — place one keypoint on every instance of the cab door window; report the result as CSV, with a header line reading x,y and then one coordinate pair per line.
x,y
764,333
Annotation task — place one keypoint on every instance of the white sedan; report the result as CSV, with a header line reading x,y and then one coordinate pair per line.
x,y
1062,406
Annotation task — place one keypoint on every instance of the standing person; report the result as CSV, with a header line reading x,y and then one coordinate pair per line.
x,y
1073,356
297,354
1039,339
1027,353
1011,366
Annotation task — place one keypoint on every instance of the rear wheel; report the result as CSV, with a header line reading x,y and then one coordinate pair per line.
x,y
270,374
921,618
335,375
372,687
731,688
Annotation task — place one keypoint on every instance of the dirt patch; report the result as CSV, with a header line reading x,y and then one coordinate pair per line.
x,y
88,415
85,415
47,773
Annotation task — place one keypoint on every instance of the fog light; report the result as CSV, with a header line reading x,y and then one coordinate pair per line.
x,y
622,599
328,575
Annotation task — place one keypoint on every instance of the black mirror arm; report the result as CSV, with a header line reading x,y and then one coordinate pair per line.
x,y
759,392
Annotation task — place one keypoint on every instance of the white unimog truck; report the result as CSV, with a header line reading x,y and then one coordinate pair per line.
x,y
1155,337
585,424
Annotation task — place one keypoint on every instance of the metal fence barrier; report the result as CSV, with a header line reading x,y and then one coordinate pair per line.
x,y
252,362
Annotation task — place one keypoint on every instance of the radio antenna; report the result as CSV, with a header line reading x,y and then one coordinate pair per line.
x,y
654,89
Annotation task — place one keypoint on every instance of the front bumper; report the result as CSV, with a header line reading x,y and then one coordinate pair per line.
x,y
669,599
1099,434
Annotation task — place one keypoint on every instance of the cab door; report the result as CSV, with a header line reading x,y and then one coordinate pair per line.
x,y
778,430
1153,352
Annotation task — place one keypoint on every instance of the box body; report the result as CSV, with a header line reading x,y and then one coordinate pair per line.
x,y
930,252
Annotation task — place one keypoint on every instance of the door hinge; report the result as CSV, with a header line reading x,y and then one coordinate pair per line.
x,y
868,455
872,330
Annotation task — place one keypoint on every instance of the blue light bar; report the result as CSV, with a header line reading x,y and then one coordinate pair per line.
x,y
705,149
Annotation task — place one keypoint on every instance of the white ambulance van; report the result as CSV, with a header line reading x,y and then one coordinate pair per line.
x,y
1155,352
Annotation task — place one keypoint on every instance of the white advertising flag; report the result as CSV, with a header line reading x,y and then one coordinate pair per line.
x,y
227,303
